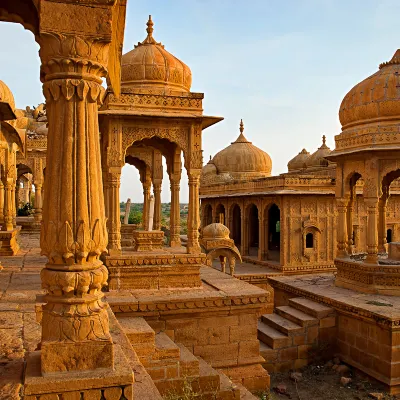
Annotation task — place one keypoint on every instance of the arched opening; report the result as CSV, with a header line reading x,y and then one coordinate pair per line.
x,y
236,230
207,215
309,241
389,234
253,230
220,214
274,233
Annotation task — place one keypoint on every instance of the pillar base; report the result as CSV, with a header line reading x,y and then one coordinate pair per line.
x,y
100,383
9,244
148,240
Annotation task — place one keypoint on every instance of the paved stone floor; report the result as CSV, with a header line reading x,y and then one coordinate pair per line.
x,y
19,331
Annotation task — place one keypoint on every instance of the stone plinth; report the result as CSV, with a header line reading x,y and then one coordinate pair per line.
x,y
394,251
9,244
115,383
28,224
127,234
148,240
216,321
154,270
367,331
368,278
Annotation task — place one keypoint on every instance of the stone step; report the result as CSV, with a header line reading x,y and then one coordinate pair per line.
x,y
296,316
165,348
282,324
209,379
269,354
188,363
272,337
311,307
137,330
245,394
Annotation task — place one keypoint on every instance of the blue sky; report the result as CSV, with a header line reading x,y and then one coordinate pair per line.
x,y
282,66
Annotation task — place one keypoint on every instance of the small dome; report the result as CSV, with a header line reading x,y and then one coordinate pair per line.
x,y
149,65
215,231
299,162
7,103
209,169
375,98
318,159
243,160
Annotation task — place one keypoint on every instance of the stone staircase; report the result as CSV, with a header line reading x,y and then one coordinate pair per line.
x,y
174,370
294,334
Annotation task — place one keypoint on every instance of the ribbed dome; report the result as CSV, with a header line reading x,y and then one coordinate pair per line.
x,y
375,98
149,65
209,169
7,103
243,160
317,159
215,231
299,162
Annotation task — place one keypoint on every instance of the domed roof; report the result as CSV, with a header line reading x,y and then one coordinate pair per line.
x,y
7,103
375,98
243,160
317,159
299,162
149,65
209,168
215,231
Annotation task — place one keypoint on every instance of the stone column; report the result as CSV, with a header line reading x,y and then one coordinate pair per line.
x,y
157,206
372,230
151,214
342,226
17,194
175,215
146,205
1,202
382,231
8,206
245,236
349,221
26,192
261,236
114,221
38,202
193,222
75,328
127,211
14,204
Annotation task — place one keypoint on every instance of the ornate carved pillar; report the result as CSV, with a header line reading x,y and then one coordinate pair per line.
x,y
175,215
372,230
349,221
8,206
1,202
114,221
193,246
157,206
146,205
382,231
75,329
261,239
38,179
14,204
245,233
17,194
342,226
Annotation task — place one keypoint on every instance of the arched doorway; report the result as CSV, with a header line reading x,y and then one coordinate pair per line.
x,y
274,233
220,214
253,230
236,230
207,215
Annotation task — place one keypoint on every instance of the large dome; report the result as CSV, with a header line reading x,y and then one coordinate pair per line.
x,y
149,65
375,98
243,160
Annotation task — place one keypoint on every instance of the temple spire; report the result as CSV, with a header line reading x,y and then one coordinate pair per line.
x,y
149,39
241,138
241,128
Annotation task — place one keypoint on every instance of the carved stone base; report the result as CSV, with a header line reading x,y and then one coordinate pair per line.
x,y
9,244
154,270
148,240
127,234
102,383
368,278
28,224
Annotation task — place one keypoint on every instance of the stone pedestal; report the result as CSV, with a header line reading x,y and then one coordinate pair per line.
x,y
148,240
127,234
9,244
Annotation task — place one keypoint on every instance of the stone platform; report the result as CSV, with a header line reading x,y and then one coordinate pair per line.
x,y
163,268
367,329
9,243
28,224
216,321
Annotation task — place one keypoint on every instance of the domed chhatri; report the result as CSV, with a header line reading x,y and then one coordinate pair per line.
x,y
215,231
242,159
149,65
7,103
299,162
317,159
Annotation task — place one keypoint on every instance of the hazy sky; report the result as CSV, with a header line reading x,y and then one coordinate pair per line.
x,y
282,66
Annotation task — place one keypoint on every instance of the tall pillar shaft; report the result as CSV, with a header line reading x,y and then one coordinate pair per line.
x,y
372,230
8,207
146,206
175,215
349,222
75,329
342,226
114,214
193,246
382,231
38,203
1,202
157,207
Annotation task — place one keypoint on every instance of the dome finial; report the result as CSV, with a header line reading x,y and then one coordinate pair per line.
x,y
149,39
241,128
150,29
323,139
